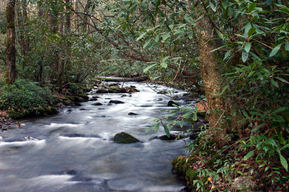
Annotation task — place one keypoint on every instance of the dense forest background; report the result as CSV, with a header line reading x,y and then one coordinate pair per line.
x,y
233,53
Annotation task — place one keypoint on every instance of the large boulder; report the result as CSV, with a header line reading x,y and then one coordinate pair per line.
x,y
124,138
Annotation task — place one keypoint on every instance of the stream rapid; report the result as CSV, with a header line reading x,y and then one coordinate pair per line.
x,y
74,151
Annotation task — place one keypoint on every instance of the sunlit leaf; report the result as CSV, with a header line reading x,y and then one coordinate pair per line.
x,y
247,47
249,155
167,131
149,67
275,50
245,56
283,161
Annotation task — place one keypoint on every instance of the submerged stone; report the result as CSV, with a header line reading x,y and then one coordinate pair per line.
x,y
172,104
97,104
115,102
124,138
132,113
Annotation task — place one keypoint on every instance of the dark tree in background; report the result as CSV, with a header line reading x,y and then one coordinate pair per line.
x,y
11,36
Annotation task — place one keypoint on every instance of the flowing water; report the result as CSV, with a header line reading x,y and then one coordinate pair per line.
x,y
74,151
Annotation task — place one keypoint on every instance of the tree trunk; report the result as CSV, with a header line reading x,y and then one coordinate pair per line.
x,y
86,12
67,33
53,14
11,36
26,29
23,37
211,75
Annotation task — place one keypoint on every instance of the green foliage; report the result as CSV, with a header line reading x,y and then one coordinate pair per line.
x,y
26,98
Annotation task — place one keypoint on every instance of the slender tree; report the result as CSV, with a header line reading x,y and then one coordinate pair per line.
x,y
211,74
11,36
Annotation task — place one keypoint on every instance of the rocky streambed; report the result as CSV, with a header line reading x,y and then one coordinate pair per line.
x,y
74,151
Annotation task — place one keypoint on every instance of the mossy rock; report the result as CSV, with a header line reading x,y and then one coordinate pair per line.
x,y
116,89
41,111
124,138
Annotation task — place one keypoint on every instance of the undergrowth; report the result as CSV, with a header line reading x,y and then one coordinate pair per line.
x,y
26,98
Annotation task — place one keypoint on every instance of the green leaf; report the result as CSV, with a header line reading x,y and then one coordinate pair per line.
x,y
149,67
141,36
166,36
251,7
147,43
195,116
213,7
247,47
283,161
220,34
167,131
188,19
249,155
282,80
218,48
165,58
287,46
274,83
284,147
247,28
251,31
275,50
164,65
245,56
281,109
227,54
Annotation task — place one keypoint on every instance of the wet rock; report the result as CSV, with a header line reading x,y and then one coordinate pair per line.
x,y
114,84
124,138
172,104
146,105
116,89
173,136
80,135
132,113
243,184
102,90
74,135
97,104
116,102
131,89
82,109
77,104
94,98
162,92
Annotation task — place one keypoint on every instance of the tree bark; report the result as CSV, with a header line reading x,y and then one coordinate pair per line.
x,y
85,18
53,14
11,49
211,75
23,37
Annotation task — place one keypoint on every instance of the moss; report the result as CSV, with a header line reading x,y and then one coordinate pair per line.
x,y
116,89
41,111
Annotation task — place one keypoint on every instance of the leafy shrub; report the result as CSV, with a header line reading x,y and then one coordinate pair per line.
x,y
26,98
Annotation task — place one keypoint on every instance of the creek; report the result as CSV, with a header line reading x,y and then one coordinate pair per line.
x,y
73,151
